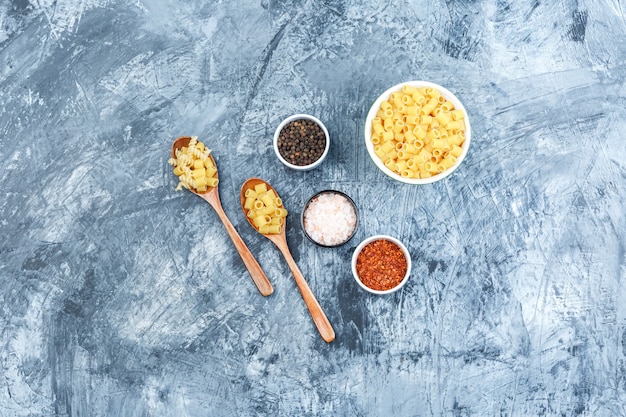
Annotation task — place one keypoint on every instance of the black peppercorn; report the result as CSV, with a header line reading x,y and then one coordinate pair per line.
x,y
301,142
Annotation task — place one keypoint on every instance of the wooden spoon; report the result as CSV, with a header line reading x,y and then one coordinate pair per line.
x,y
280,240
212,196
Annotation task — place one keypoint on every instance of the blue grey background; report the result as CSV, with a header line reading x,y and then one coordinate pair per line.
x,y
123,297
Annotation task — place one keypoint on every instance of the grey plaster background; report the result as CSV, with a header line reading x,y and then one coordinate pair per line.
x,y
122,297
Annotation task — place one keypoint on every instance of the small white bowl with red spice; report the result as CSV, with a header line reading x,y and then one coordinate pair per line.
x,y
301,142
381,264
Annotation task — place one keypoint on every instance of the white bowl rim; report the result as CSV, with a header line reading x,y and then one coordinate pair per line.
x,y
370,239
298,117
368,132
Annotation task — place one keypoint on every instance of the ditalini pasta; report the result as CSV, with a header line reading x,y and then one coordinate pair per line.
x,y
417,133
193,167
265,209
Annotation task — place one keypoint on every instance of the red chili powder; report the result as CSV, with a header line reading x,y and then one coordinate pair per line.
x,y
381,265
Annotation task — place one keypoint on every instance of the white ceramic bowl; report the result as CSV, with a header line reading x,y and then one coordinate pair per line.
x,y
358,250
291,119
368,133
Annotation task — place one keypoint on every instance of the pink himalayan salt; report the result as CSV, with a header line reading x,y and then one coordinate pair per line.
x,y
330,219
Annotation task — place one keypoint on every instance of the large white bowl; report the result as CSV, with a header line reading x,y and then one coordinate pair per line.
x,y
289,120
358,250
368,132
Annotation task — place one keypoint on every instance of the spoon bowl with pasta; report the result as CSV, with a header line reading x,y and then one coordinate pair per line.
x,y
268,218
209,192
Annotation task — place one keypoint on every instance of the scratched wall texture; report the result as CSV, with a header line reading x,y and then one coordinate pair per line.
x,y
123,297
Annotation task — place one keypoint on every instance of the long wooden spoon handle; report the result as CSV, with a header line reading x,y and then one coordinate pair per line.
x,y
258,276
319,318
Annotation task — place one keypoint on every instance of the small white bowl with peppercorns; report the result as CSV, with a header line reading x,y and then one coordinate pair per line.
x,y
301,142
381,264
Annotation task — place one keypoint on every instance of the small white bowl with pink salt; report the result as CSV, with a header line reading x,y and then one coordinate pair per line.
x,y
329,218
